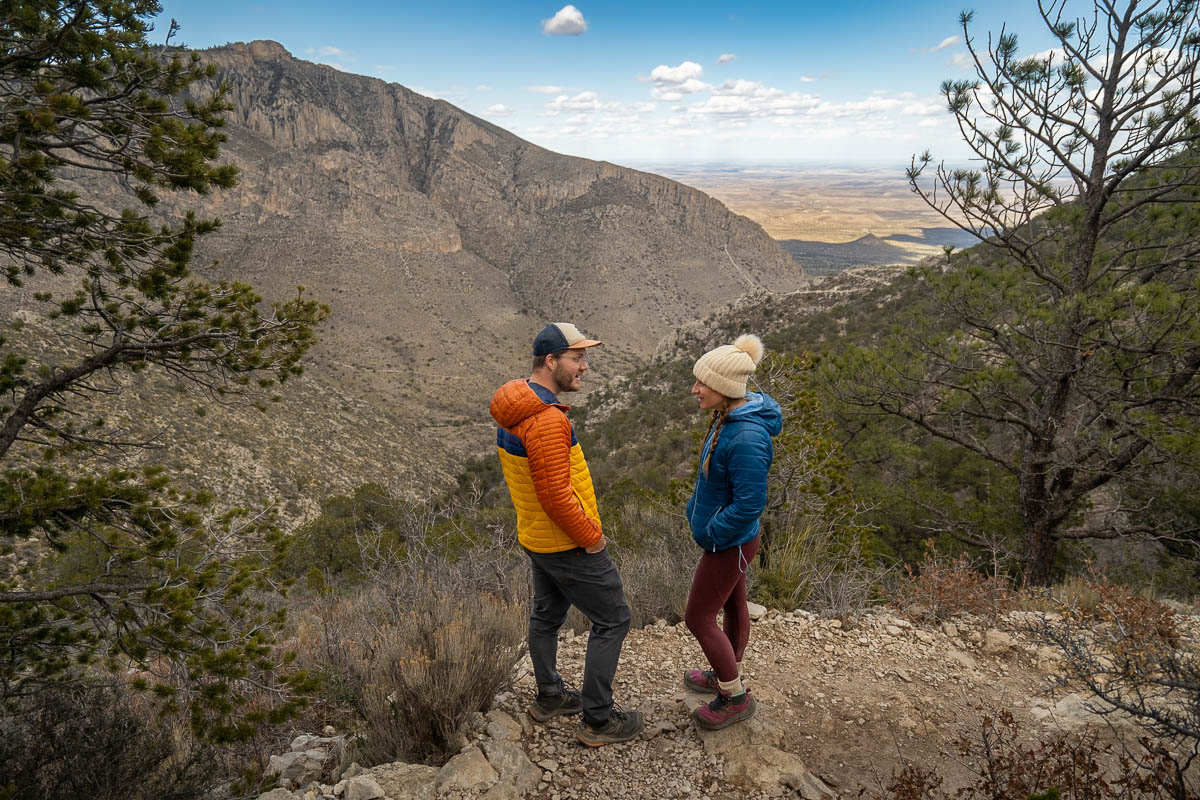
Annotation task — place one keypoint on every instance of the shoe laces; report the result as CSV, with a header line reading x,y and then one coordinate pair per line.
x,y
719,702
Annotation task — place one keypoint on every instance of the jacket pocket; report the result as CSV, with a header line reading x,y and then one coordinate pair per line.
x,y
706,534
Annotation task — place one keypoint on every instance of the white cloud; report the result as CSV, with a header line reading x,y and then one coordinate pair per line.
x,y
430,93
688,70
483,87
808,78
500,110
960,61
742,88
949,41
545,89
568,21
328,51
725,58
584,101
673,92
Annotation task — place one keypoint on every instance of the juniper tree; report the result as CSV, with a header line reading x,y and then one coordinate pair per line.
x,y
1065,348
95,125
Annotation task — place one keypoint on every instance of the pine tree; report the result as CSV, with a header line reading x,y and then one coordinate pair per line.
x,y
145,574
1065,348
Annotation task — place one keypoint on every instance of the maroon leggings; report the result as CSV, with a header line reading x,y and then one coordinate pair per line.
x,y
720,583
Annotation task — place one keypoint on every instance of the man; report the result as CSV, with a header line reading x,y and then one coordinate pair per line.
x,y
558,525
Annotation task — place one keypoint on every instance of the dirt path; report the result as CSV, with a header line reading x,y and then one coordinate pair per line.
x,y
851,701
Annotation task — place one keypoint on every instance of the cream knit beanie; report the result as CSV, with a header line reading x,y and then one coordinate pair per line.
x,y
725,368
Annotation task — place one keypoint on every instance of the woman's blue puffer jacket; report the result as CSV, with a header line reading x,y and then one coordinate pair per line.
x,y
726,504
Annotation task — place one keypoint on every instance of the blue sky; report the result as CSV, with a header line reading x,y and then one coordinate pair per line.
x,y
760,82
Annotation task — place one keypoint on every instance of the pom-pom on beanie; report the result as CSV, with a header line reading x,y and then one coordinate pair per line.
x,y
725,369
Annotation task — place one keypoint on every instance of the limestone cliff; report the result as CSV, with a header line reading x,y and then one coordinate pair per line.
x,y
443,242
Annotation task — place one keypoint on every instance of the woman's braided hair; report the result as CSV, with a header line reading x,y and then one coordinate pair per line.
x,y
714,429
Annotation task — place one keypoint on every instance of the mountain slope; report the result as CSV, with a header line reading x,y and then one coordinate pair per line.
x,y
443,242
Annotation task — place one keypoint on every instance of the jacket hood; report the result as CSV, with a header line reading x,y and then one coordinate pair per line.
x,y
515,402
760,409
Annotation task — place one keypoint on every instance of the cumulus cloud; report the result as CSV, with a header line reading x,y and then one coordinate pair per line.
x,y
675,91
499,110
568,21
672,83
725,58
584,101
688,70
545,89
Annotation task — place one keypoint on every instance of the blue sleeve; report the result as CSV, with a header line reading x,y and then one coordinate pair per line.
x,y
749,460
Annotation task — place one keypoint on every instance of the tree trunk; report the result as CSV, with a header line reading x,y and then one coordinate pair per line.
x,y
1041,546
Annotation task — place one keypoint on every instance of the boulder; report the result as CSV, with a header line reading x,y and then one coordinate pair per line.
x,y
277,794
996,643
469,771
512,765
754,760
757,612
401,781
502,727
299,768
363,787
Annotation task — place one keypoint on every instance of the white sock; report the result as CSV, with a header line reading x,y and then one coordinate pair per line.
x,y
733,687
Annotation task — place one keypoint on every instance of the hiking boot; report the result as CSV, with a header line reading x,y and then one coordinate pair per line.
x,y
548,706
724,710
701,680
621,727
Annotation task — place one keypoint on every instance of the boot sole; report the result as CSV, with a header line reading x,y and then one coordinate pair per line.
x,y
546,716
603,740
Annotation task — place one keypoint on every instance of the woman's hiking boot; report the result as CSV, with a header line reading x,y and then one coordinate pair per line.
x,y
548,706
621,727
701,680
724,710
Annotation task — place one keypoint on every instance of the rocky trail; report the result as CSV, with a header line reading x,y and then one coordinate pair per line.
x,y
841,706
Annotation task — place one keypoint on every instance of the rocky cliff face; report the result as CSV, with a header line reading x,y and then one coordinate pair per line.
x,y
442,242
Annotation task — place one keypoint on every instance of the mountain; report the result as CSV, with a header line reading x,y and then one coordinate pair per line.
x,y
442,242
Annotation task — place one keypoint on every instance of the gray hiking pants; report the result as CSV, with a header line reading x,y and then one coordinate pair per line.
x,y
588,581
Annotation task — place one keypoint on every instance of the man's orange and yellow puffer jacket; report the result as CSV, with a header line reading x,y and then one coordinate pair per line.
x,y
545,470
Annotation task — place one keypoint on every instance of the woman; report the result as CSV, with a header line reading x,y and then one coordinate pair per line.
x,y
730,494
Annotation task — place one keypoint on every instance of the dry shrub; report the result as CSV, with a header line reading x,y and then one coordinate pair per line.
x,y
942,588
414,662
1126,651
1064,765
821,568
655,554
1136,617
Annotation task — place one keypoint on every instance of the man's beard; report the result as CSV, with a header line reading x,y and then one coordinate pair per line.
x,y
563,379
